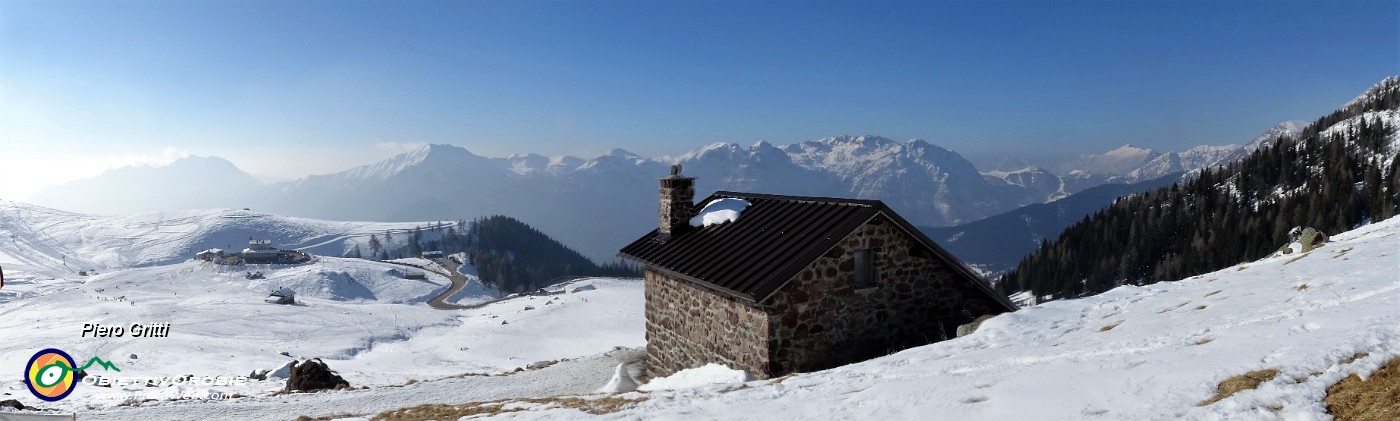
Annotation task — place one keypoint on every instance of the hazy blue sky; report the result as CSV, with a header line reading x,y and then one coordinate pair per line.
x,y
291,88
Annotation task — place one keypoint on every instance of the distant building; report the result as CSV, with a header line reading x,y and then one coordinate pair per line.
x,y
260,252
414,274
209,255
432,254
282,296
796,284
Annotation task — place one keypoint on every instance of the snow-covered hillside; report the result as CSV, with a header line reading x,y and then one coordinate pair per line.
x,y
1135,353
50,240
359,316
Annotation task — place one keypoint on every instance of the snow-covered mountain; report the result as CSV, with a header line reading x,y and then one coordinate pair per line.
x,y
597,204
1036,180
1118,161
1127,164
1130,164
591,204
188,183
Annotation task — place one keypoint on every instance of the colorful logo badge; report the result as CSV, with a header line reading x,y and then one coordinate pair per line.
x,y
50,375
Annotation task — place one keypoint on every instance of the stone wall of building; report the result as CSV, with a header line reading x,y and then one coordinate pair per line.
x,y
821,321
689,326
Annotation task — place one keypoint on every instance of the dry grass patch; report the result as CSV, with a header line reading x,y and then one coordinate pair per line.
x,y
1239,383
1201,307
1109,327
469,375
975,399
1353,358
1342,252
1296,259
1373,399
1301,287
1302,380
1213,293
1241,267
1204,341
599,406
1174,308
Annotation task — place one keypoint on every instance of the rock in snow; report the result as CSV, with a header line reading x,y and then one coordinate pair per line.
x,y
312,375
621,382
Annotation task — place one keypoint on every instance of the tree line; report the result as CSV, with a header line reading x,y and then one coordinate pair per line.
x,y
507,253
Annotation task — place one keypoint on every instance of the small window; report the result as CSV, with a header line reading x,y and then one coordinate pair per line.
x,y
865,269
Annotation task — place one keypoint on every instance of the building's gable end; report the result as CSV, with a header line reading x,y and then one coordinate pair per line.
x,y
949,259
820,319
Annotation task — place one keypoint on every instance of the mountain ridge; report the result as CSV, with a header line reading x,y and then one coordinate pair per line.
x,y
611,197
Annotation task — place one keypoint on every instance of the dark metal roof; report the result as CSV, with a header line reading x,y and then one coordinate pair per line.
x,y
774,238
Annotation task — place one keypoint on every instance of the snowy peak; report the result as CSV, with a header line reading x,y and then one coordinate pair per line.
x,y
1128,151
433,156
620,153
182,184
1288,129
1390,83
717,150
1118,161
212,164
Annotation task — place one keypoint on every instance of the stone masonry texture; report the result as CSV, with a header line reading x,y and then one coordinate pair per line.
x,y
817,320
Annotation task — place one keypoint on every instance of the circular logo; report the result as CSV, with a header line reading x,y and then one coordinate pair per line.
x,y
50,375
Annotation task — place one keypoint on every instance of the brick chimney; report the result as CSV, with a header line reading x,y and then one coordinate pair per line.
x,y
677,197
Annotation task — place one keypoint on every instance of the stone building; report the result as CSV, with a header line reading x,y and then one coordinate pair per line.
x,y
795,284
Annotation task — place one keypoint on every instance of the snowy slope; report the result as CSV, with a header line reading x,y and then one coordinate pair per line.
x,y
46,237
1390,118
1132,353
368,324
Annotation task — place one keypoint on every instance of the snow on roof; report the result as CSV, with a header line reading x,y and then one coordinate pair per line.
x,y
719,211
